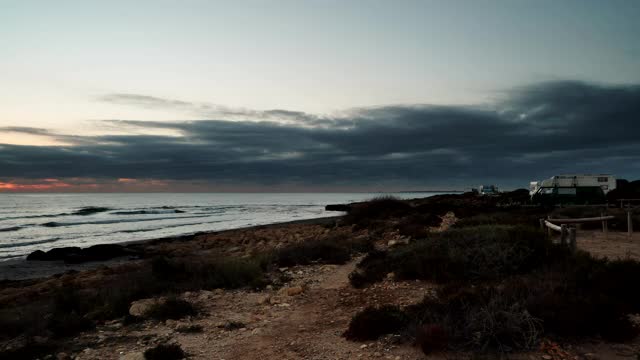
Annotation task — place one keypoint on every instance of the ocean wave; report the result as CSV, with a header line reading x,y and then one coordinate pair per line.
x,y
145,212
90,210
168,227
102,222
27,243
13,228
35,216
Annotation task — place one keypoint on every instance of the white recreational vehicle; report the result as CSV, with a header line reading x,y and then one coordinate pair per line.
x,y
577,188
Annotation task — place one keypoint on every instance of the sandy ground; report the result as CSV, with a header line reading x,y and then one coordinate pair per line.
x,y
612,245
276,325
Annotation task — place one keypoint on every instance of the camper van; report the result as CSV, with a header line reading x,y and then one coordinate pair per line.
x,y
488,190
572,189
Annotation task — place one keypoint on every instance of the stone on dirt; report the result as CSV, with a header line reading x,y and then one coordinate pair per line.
x,y
140,308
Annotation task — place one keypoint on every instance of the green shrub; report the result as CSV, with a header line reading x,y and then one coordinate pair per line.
x,y
326,251
431,338
314,251
371,323
585,296
479,318
165,352
172,308
472,253
30,350
197,274
525,217
417,226
383,207
373,268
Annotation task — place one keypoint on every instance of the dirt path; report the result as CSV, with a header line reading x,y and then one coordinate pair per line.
x,y
272,324
614,245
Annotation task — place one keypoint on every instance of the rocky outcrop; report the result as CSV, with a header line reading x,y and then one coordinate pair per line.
x,y
76,255
54,254
338,207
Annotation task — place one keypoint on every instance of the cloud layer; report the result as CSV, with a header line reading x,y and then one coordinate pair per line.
x,y
535,132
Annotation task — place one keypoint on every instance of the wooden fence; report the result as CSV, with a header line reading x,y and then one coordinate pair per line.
x,y
567,229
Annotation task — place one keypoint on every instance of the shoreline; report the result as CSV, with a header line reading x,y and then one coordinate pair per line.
x,y
18,269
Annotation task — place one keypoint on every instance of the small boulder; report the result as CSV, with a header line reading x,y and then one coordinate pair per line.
x,y
262,300
54,254
141,308
291,291
37,255
337,207
133,356
62,356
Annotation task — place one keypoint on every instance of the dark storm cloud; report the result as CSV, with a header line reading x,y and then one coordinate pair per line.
x,y
536,132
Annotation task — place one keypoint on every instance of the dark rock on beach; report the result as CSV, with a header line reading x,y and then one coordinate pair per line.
x,y
338,207
54,254
76,255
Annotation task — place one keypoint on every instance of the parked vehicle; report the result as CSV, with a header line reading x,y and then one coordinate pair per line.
x,y
488,190
572,189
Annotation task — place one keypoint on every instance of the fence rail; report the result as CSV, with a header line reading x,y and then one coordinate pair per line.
x,y
552,226
582,220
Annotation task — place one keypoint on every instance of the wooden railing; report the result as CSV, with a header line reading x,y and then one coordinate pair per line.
x,y
568,232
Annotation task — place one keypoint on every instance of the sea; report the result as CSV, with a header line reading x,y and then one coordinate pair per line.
x,y
30,222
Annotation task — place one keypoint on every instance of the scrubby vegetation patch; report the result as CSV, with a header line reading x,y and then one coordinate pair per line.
x,y
373,322
472,253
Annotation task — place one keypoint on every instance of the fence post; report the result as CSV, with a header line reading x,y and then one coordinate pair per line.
x,y
542,224
629,223
572,239
604,226
563,234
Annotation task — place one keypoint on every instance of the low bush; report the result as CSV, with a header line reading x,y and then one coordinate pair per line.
x,y
304,253
373,268
29,350
165,352
584,296
575,297
371,323
431,338
62,324
29,319
472,253
208,274
478,318
172,308
417,226
74,310
383,207
326,251
526,217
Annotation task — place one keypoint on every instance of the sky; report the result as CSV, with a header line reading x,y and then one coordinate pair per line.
x,y
315,95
